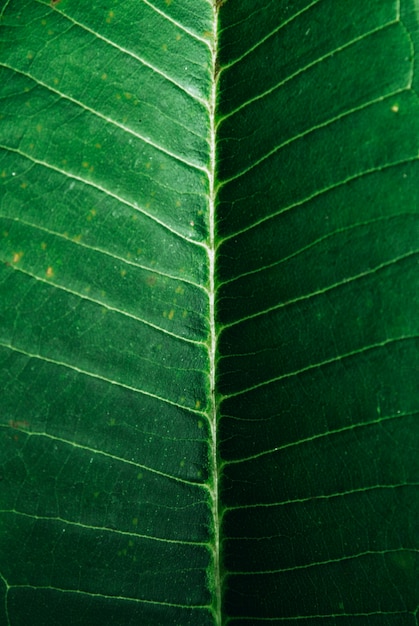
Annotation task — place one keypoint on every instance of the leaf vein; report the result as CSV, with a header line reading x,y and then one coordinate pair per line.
x,y
116,257
342,559
304,69
330,496
105,191
337,431
307,133
106,306
99,377
113,457
177,24
322,291
314,366
116,531
184,88
270,34
110,121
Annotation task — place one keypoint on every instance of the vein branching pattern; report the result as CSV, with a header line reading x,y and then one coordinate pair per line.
x,y
209,335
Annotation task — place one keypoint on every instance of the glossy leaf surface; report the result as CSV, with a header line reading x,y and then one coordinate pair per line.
x,y
208,313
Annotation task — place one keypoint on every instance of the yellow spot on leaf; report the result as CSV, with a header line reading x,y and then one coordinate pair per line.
x,y
39,128
171,314
180,290
43,245
24,185
19,424
17,256
123,273
164,47
197,404
85,164
148,165
395,108
104,76
55,81
78,238
200,424
178,37
50,272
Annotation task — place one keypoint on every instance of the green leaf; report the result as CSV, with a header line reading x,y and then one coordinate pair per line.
x,y
208,313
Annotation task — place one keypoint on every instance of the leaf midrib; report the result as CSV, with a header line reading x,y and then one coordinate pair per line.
x,y
217,600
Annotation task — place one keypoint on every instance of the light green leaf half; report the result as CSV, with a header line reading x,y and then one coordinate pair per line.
x,y
209,290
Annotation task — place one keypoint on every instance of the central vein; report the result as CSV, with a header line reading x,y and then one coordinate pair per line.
x,y
213,333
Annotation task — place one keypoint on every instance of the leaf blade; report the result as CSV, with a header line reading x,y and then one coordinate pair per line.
x,y
317,422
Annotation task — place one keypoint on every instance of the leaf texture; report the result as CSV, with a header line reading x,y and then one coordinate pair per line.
x,y
317,300
208,313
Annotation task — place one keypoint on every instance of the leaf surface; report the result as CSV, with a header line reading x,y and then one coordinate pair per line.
x,y
208,324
